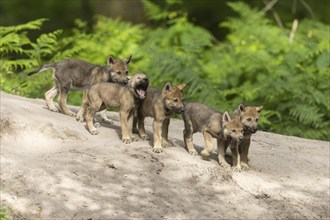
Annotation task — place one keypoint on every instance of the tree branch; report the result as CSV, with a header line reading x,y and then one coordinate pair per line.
x,y
293,30
269,6
276,16
309,9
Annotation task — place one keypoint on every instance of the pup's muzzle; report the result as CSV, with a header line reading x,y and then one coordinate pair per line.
x,y
178,110
141,88
251,130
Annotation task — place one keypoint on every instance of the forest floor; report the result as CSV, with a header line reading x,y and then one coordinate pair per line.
x,y
52,168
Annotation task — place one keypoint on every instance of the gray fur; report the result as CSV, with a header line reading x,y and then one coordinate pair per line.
x,y
79,73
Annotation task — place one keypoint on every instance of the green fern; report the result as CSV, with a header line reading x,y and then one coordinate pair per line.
x,y
32,25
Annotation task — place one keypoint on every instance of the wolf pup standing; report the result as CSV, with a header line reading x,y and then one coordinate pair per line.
x,y
160,105
118,70
126,98
249,116
198,117
79,73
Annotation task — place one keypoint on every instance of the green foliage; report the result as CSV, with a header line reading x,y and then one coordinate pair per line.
x,y
290,80
109,37
20,55
13,43
256,64
6,213
163,13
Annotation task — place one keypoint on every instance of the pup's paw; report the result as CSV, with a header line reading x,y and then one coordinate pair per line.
x,y
193,152
107,121
54,109
157,150
72,114
127,140
223,163
167,144
80,118
145,137
237,168
244,166
134,138
97,125
205,153
94,132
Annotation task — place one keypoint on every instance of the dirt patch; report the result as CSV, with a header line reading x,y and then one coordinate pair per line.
x,y
6,127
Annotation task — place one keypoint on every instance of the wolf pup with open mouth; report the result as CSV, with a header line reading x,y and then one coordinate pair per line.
x,y
198,117
126,98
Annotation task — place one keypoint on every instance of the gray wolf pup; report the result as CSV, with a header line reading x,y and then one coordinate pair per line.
x,y
198,117
79,73
125,97
160,105
249,116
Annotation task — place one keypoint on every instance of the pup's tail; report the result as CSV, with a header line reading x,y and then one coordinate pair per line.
x,y
42,68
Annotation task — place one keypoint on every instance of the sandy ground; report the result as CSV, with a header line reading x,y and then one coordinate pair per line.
x,y
52,168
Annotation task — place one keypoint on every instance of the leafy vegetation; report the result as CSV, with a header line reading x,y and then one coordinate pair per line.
x,y
256,64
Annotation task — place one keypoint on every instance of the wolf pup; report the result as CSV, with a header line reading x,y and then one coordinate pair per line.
x,y
249,116
198,117
79,73
126,98
160,105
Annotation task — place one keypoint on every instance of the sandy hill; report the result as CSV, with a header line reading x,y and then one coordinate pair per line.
x,y
52,168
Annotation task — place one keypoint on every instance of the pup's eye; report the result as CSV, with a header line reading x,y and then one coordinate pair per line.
x,y
175,100
118,72
126,72
249,119
257,119
233,130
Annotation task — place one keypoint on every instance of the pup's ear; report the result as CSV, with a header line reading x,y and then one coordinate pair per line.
x,y
259,108
128,59
241,108
225,117
167,88
182,86
111,60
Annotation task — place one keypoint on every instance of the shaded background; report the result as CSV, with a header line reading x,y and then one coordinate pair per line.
x,y
206,13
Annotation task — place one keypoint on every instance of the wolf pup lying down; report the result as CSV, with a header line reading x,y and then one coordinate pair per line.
x,y
249,116
79,73
126,98
160,105
198,117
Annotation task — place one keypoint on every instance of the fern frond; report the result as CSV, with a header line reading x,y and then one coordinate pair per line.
x,y
32,25
153,11
11,65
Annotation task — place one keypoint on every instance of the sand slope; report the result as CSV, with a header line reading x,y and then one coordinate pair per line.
x,y
51,167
